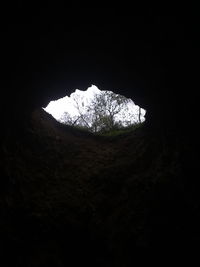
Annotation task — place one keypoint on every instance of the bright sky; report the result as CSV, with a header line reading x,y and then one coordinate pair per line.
x,y
58,107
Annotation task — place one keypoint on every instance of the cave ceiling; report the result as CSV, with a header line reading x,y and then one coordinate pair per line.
x,y
146,56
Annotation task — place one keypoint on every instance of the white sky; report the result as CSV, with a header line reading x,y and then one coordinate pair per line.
x,y
58,107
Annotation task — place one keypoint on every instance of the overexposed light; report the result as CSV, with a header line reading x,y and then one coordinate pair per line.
x,y
58,107
67,104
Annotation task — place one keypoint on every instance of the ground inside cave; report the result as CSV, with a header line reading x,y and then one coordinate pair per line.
x,y
75,197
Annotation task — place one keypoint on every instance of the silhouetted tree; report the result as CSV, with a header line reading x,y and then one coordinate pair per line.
x,y
100,114
103,109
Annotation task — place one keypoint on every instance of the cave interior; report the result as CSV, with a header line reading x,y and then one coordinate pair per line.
x,y
69,196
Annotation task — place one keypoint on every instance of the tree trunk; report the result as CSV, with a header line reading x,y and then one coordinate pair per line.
x,y
139,115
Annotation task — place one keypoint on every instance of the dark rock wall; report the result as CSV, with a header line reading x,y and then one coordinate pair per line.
x,y
141,191
70,197
145,55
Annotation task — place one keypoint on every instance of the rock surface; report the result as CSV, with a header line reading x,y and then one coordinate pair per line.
x,y
71,196
67,196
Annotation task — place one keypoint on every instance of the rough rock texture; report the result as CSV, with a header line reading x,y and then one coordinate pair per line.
x,y
70,195
67,196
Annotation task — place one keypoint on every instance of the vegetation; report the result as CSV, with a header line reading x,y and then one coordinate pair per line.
x,y
121,130
100,116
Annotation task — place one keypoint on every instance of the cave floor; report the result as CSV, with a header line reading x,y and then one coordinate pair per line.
x,y
78,192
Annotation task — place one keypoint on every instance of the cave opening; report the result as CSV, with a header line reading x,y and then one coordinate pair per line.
x,y
97,111
69,197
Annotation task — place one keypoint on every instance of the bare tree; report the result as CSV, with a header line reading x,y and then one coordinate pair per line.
x,y
104,108
139,114
66,118
100,114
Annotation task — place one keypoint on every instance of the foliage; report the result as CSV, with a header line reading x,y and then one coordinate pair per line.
x,y
99,116
121,130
